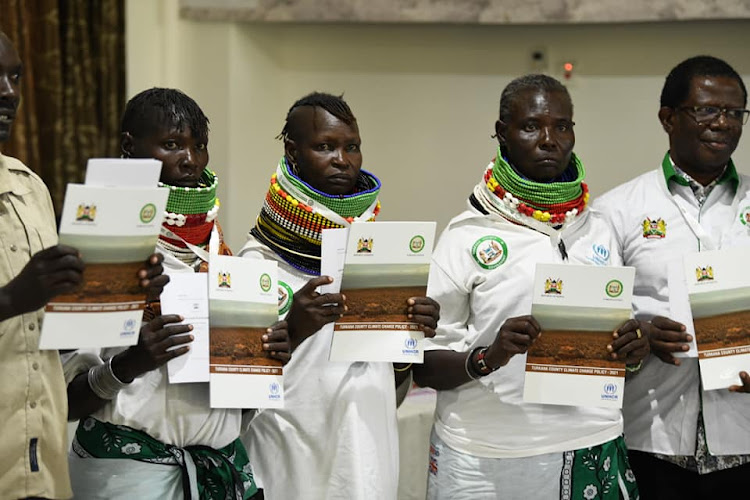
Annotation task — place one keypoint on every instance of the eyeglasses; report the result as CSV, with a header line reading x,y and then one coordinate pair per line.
x,y
709,114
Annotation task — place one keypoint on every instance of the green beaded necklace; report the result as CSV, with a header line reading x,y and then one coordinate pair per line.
x,y
349,205
198,200
552,193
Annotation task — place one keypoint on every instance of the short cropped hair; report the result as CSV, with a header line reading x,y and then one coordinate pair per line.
x,y
157,107
329,102
677,84
524,83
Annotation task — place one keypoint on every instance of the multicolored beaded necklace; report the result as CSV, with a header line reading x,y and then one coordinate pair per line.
x,y
532,203
294,215
190,217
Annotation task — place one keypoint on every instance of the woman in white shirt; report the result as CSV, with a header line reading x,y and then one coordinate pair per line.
x,y
336,437
140,436
530,206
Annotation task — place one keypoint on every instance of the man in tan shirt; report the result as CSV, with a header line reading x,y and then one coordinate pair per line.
x,y
33,269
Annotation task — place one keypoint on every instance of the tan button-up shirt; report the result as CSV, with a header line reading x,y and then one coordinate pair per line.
x,y
34,408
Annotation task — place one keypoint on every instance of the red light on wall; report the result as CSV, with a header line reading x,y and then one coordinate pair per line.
x,y
567,70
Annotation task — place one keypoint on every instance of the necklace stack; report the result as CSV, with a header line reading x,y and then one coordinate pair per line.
x,y
189,217
294,215
532,203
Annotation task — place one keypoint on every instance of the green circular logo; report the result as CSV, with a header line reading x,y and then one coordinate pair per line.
x,y
489,252
614,288
265,282
416,244
286,294
148,212
745,216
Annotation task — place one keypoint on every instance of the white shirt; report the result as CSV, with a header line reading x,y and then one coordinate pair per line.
x,y
336,437
488,417
662,401
178,414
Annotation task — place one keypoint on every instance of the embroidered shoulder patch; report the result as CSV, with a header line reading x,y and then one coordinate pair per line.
x,y
489,252
654,228
286,294
745,216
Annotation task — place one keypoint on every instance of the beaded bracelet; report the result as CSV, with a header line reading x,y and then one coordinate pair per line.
x,y
103,381
481,363
469,365
634,368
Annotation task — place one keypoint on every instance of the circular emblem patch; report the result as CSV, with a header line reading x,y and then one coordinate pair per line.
x,y
265,282
285,297
745,216
148,212
416,244
613,288
489,252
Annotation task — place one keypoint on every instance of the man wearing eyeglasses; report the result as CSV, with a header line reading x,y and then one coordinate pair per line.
x,y
684,442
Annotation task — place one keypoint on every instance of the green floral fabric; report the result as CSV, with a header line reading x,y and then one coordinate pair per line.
x,y
223,474
601,472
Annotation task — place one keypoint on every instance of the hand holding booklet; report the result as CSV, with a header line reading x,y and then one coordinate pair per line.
x,y
186,294
115,229
578,308
718,285
384,264
243,303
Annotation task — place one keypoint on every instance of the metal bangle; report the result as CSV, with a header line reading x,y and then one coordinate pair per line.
x,y
103,381
404,369
112,373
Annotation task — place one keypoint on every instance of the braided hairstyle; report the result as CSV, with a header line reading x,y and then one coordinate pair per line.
x,y
329,102
158,107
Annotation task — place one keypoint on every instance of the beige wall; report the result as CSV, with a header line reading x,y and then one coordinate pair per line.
x,y
425,96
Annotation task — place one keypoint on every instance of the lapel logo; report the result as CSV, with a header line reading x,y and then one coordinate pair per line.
x,y
285,297
600,255
489,252
745,216
654,229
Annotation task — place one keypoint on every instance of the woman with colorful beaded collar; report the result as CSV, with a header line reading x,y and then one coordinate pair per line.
x,y
486,442
154,421
340,438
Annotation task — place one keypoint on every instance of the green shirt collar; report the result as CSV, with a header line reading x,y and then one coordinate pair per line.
x,y
730,173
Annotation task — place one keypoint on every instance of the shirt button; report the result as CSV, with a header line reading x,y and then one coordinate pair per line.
x,y
35,366
32,404
13,248
32,326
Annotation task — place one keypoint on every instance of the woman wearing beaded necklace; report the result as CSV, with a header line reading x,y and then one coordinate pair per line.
x,y
336,438
140,436
530,206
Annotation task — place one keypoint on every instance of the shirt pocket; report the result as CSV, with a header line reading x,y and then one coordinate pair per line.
x,y
42,238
